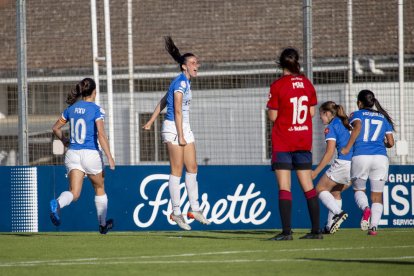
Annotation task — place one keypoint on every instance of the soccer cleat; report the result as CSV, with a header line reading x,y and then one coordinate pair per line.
x,y
54,212
179,219
109,225
312,236
325,230
372,231
198,216
337,221
282,237
366,215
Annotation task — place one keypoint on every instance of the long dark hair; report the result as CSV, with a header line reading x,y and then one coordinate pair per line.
x,y
368,101
83,88
336,110
289,59
175,52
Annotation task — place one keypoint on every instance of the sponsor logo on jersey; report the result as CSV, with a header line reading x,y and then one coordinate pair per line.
x,y
183,84
326,131
298,128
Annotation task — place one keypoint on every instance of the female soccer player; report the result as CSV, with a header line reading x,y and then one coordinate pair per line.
x,y
291,107
176,133
86,120
338,177
370,136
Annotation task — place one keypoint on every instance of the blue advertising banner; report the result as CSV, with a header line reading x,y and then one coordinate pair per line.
x,y
232,197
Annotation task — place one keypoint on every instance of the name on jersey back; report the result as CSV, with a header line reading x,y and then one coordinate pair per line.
x,y
79,110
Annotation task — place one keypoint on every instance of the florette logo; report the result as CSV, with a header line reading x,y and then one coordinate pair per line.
x,y
326,131
236,208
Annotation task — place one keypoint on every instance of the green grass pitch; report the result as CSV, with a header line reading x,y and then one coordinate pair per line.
x,y
348,252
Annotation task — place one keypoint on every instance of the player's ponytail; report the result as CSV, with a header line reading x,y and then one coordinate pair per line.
x,y
340,112
368,101
73,95
175,52
83,88
289,59
384,112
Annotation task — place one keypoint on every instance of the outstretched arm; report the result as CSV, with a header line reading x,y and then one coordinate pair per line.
x,y
160,107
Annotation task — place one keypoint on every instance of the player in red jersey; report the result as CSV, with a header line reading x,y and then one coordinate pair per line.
x,y
291,106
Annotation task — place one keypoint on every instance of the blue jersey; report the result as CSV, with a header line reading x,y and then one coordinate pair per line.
x,y
83,132
370,141
340,134
179,85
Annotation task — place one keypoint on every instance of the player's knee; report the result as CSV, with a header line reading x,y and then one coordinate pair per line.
x,y
376,197
320,189
191,169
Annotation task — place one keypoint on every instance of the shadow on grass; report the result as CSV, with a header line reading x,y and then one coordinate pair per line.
x,y
380,261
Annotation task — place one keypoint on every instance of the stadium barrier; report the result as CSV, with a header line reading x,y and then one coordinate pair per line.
x,y
233,197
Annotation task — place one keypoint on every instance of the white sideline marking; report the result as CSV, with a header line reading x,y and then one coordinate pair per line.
x,y
135,259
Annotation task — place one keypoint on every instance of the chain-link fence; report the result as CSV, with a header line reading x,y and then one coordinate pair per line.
x,y
237,42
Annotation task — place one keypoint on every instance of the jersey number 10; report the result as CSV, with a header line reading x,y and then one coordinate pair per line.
x,y
77,130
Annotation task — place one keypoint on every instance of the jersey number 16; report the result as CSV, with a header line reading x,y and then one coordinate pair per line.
x,y
299,109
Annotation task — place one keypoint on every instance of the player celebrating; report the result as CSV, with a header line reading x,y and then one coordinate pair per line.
x,y
291,107
338,177
370,136
176,133
84,157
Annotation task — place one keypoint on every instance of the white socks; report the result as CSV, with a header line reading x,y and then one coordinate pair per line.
x,y
101,203
174,187
361,200
376,212
192,190
329,201
65,199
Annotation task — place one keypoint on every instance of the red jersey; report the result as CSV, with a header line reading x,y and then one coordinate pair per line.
x,y
292,96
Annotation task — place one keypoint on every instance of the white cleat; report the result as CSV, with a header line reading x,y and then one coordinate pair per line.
x,y
179,219
198,216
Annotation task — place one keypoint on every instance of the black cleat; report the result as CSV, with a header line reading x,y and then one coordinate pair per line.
x,y
109,225
325,231
312,236
337,221
282,237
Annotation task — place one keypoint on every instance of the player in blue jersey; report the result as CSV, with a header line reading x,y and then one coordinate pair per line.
x,y
338,177
86,120
176,133
370,136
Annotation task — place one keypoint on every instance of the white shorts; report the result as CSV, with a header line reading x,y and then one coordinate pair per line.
x,y
169,133
340,172
372,167
85,160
